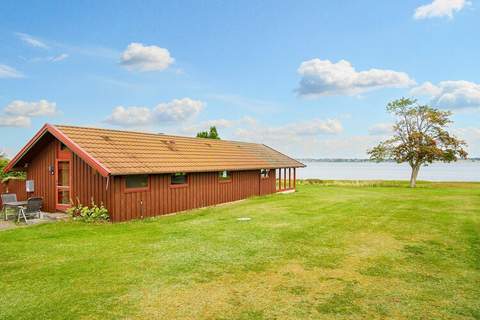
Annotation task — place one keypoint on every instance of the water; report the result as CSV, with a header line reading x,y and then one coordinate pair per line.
x,y
458,171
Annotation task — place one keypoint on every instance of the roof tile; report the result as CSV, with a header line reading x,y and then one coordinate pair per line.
x,y
128,152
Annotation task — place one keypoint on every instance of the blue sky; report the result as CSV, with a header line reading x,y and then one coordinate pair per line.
x,y
310,78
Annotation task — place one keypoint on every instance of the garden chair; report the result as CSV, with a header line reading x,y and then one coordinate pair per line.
x,y
6,198
32,209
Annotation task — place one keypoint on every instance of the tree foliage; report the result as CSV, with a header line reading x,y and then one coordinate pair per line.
x,y
210,134
420,137
11,175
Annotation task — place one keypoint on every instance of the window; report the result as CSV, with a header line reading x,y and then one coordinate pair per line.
x,y
264,173
178,178
224,175
63,197
63,178
136,182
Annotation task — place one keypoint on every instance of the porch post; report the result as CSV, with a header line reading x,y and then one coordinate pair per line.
x,y
289,178
280,179
295,178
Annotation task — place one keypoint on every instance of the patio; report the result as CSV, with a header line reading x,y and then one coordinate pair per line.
x,y
45,217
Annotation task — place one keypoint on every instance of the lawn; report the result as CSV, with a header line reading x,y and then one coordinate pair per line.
x,y
330,251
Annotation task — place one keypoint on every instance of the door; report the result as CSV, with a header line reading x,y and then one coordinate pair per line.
x,y
63,178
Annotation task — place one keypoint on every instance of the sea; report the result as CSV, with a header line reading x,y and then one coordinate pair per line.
x,y
465,170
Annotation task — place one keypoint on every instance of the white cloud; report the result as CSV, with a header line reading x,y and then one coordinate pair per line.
x,y
219,123
291,131
193,129
440,8
311,138
6,152
89,50
31,41
146,58
252,105
450,94
299,140
426,89
471,132
130,116
60,57
324,78
14,121
57,58
9,72
31,109
18,113
315,127
472,136
35,42
250,129
177,110
380,129
339,147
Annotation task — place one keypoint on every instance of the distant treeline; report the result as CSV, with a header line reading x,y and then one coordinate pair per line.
x,y
355,160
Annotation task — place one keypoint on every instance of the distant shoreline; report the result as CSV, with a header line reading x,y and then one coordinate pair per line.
x,y
363,169
360,160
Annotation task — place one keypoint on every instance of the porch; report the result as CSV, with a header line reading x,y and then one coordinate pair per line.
x,y
286,180
44,217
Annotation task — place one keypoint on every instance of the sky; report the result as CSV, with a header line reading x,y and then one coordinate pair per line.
x,y
309,78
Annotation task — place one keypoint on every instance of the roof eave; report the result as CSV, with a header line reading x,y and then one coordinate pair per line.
x,y
65,140
25,149
207,170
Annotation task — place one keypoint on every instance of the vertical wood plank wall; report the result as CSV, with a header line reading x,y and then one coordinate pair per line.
x,y
88,185
44,182
14,186
204,189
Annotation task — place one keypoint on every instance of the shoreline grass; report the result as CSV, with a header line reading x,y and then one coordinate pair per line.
x,y
389,183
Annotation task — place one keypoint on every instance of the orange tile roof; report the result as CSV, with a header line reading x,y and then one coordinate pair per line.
x,y
127,152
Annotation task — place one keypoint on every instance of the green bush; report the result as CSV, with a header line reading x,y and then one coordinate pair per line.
x,y
4,177
94,213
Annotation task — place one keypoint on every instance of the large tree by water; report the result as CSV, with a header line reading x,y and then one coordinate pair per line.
x,y
420,137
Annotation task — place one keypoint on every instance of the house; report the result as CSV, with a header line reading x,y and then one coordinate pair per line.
x,y
137,175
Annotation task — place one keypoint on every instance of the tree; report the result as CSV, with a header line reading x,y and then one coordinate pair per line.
x,y
419,137
4,177
211,134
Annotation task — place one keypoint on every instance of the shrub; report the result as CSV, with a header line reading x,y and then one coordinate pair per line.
x,y
94,213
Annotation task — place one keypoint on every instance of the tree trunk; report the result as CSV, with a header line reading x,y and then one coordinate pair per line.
x,y
413,177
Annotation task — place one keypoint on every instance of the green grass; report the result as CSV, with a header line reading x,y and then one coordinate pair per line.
x,y
333,250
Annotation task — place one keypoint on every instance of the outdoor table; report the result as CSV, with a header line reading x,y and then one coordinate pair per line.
x,y
15,204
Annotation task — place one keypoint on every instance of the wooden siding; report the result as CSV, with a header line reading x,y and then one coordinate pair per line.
x,y
87,185
14,186
44,182
203,189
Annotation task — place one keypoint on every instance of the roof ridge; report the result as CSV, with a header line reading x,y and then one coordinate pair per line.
x,y
155,134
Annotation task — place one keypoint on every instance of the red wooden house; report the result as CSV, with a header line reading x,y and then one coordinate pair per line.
x,y
138,175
